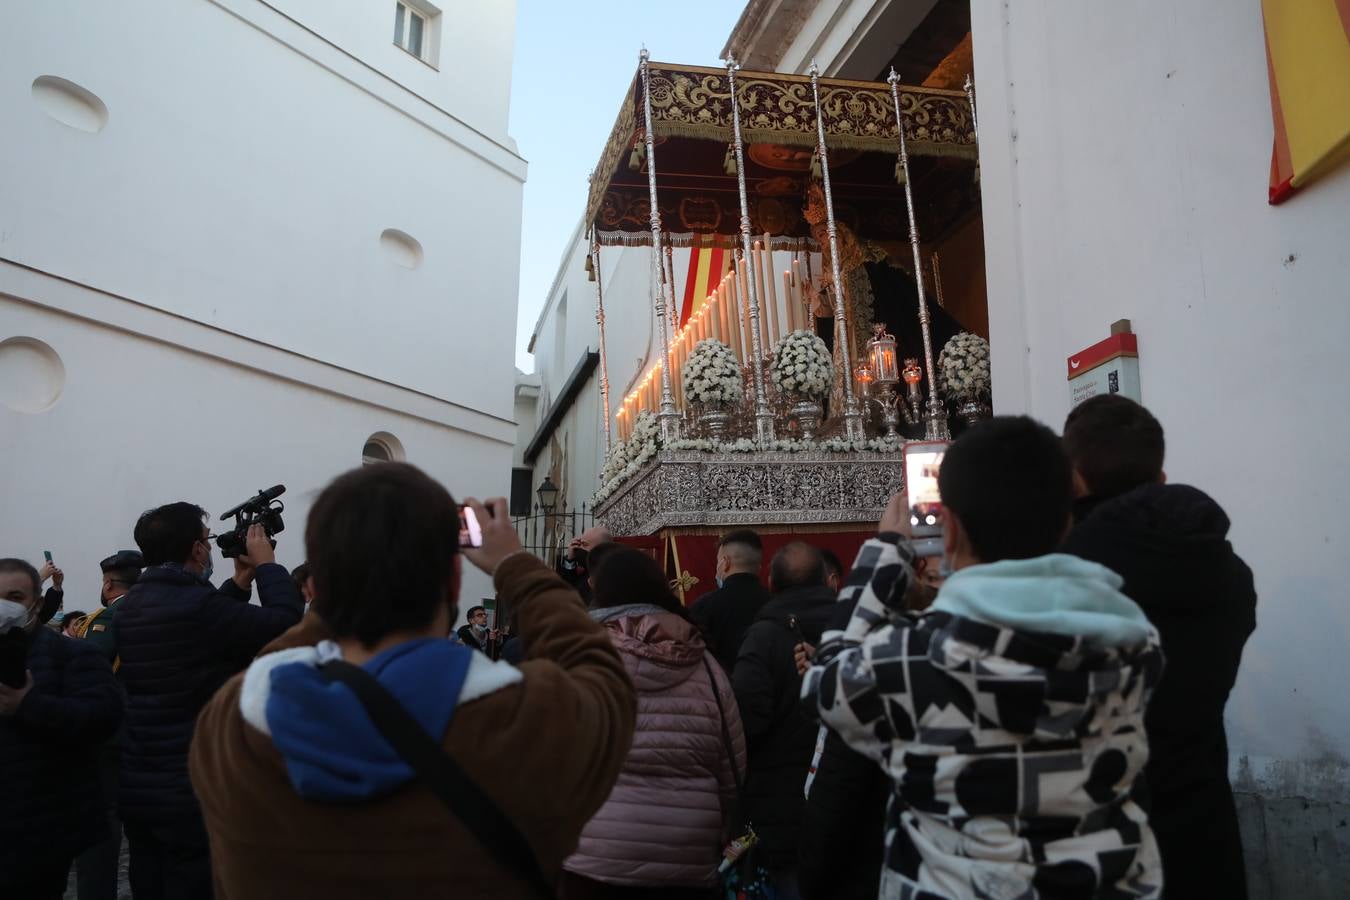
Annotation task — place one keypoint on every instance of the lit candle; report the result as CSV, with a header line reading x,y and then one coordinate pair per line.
x,y
775,328
757,273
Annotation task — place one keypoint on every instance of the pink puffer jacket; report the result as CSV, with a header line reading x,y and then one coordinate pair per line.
x,y
662,823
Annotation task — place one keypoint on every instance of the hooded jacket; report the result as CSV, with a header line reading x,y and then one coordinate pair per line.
x,y
304,799
662,824
780,736
1010,720
1170,544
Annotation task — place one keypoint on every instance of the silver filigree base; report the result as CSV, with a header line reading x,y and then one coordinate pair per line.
x,y
806,413
972,412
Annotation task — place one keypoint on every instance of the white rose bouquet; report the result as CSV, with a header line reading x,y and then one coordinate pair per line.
x,y
712,374
963,368
802,365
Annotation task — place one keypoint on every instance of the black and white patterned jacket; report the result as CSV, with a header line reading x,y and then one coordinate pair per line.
x,y
1013,755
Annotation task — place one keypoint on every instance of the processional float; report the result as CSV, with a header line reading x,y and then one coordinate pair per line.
x,y
758,165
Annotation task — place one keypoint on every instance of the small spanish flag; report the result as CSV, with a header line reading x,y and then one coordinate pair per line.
x,y
1308,54
707,265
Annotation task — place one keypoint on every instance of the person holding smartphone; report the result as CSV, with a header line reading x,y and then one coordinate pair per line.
x,y
1010,715
283,749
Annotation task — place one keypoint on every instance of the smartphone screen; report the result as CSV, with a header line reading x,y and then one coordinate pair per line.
x,y
47,554
470,532
922,461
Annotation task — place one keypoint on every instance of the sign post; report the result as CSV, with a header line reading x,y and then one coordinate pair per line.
x,y
1107,367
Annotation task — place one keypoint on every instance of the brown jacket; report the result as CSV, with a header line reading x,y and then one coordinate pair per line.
x,y
547,749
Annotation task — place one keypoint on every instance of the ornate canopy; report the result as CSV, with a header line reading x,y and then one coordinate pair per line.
x,y
696,181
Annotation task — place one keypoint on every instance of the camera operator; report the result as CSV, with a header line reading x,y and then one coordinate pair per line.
x,y
180,639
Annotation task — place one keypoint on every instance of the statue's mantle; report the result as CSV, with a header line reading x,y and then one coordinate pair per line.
x,y
690,488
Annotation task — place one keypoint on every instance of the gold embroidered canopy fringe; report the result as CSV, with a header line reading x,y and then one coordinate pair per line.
x,y
692,127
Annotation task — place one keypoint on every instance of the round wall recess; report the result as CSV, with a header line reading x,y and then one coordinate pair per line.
x,y
68,103
32,375
401,248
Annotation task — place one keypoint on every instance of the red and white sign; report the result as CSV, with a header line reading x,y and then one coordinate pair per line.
x,y
1107,367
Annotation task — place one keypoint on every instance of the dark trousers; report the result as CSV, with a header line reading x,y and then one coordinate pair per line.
x,y
578,887
42,882
170,860
96,868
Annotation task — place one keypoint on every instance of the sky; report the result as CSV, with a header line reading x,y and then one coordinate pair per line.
x,y
573,62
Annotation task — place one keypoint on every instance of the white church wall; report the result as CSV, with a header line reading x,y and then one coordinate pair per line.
x,y
256,249
1125,161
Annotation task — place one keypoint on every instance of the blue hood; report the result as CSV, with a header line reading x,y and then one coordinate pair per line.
x,y
332,750
1054,594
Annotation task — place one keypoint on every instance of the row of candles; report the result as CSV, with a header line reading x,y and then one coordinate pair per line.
x,y
725,316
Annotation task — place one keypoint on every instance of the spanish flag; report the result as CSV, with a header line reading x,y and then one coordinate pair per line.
x,y
707,265
1308,54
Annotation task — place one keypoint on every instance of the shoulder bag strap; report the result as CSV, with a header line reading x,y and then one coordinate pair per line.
x,y
439,772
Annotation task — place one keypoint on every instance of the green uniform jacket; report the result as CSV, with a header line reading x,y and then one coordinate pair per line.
x,y
97,628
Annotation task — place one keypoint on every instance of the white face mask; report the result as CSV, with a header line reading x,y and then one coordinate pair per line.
x,y
16,614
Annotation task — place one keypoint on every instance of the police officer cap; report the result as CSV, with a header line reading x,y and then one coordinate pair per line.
x,y
123,559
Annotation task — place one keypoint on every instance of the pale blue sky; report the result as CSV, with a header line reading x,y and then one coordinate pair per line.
x,y
573,62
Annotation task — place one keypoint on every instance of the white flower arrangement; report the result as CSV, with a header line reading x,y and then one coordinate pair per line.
x,y
712,374
963,367
802,365
618,459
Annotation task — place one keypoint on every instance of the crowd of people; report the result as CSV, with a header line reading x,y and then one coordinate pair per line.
x,y
1037,712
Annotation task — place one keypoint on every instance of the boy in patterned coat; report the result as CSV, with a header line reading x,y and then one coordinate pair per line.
x,y
1009,716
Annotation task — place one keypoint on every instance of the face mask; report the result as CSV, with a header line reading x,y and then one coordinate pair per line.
x,y
945,567
720,580
210,568
14,615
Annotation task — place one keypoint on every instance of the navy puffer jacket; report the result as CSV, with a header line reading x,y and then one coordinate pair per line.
x,y
180,639
50,804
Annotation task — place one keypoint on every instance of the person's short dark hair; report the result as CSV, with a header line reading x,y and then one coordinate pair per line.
x,y
166,533
1009,482
832,564
628,575
11,564
73,615
797,564
300,574
381,542
1115,444
746,536
473,611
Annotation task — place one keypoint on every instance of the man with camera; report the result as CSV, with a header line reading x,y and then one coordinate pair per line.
x,y
179,639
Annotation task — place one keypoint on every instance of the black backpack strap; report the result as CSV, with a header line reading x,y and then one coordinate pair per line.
x,y
435,768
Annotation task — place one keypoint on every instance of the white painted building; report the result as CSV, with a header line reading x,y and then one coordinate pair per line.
x,y
1125,152
243,243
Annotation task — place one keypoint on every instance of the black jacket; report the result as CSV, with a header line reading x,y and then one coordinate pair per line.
x,y
842,841
180,639
724,615
51,807
1169,543
779,735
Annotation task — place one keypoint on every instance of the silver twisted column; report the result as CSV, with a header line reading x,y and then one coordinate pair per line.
x,y
600,322
935,421
853,420
763,416
668,418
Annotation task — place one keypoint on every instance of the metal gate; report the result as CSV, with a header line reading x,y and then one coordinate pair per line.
x,y
546,533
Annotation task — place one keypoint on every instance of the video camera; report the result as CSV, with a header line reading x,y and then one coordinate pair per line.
x,y
264,509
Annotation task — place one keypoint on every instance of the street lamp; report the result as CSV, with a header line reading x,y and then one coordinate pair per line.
x,y
548,495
